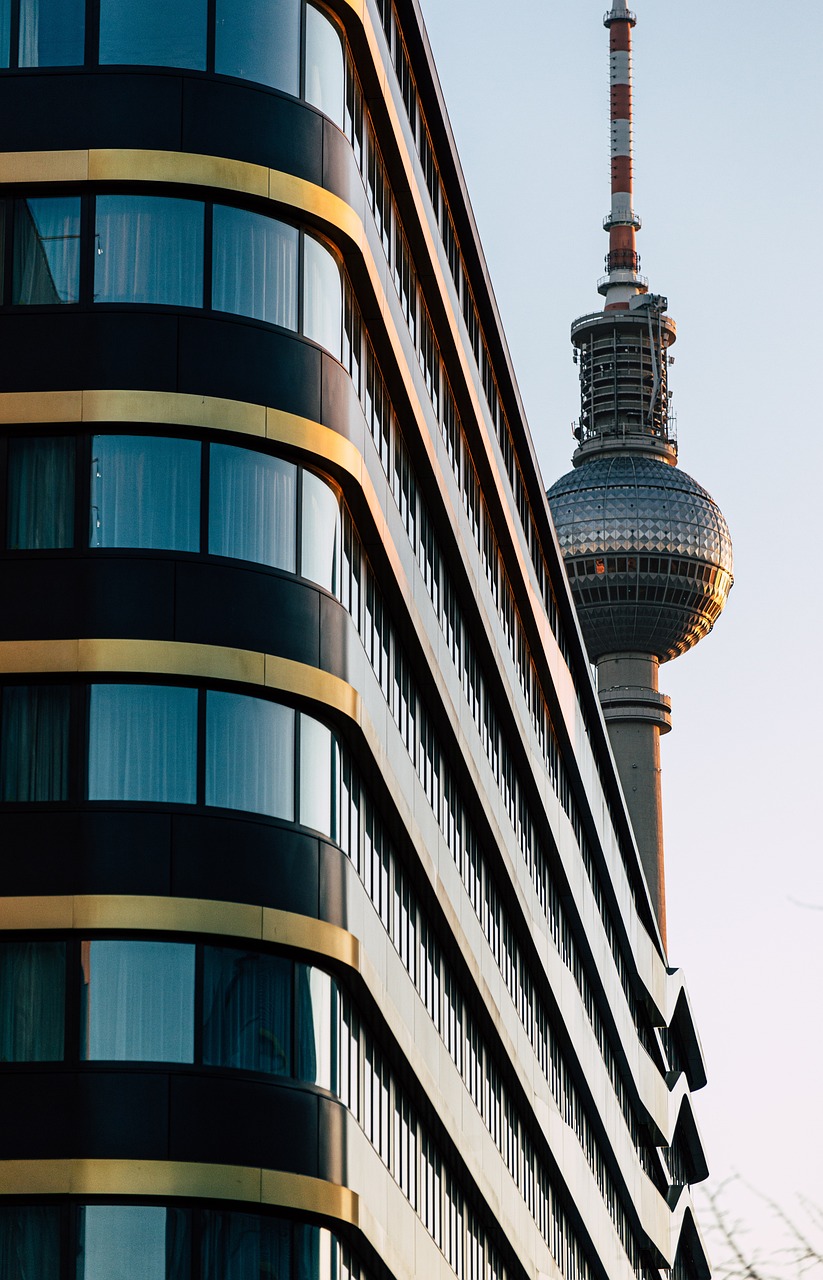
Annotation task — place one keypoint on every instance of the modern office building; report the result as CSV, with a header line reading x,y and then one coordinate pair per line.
x,y
326,952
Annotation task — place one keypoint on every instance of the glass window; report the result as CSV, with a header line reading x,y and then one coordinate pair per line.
x,y
145,492
316,775
320,533
34,743
322,296
325,66
46,251
132,1242
149,248
138,1001
242,1246
255,266
253,507
154,33
5,31
29,1242
247,1010
259,40
250,755
52,33
40,493
317,1026
32,994
142,743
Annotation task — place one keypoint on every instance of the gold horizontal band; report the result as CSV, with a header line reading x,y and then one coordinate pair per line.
x,y
181,915
170,1178
177,658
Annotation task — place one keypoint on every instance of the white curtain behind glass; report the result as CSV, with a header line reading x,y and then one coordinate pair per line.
x,y
325,66
316,746
145,492
142,743
252,507
249,755
149,249
320,533
254,269
139,1001
322,296
259,40
123,1242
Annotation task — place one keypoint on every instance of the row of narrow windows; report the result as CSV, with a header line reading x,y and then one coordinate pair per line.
x,y
148,492
145,744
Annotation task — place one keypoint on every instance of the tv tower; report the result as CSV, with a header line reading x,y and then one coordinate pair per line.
x,y
646,548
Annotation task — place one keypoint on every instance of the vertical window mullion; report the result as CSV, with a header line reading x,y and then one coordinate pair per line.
x,y
211,19
88,247
14,34
92,31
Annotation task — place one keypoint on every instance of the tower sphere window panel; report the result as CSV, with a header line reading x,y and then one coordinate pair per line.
x,y
252,507
325,66
145,492
138,1002
142,743
149,249
154,33
259,40
255,266
52,33
46,251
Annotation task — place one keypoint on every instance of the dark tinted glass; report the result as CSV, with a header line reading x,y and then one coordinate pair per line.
x,y
5,31
241,1246
34,743
46,251
149,249
29,1242
247,1010
40,493
52,33
32,996
154,32
259,40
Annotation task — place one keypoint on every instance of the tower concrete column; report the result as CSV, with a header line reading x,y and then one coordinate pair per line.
x,y
636,714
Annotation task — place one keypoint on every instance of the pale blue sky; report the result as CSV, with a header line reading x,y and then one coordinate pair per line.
x,y
728,126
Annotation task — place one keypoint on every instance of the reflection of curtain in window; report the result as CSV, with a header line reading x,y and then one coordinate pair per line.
x,y
32,1002
320,533
247,1010
239,1246
149,249
322,297
255,266
34,746
142,743
51,33
46,251
41,493
132,1242
249,755
145,492
259,40
29,1242
139,1002
252,507
325,66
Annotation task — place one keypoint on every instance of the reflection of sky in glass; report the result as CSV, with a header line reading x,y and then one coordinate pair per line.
x,y
123,1242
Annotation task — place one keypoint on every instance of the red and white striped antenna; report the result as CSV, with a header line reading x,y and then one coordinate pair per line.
x,y
623,280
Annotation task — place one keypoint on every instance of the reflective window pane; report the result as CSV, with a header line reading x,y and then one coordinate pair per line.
x,y
142,743
316,1026
154,33
29,1242
138,1001
247,1010
132,1242
316,745
325,66
249,755
149,248
255,266
5,31
241,1246
252,507
320,533
52,33
32,995
259,40
46,251
34,743
322,297
145,492
40,493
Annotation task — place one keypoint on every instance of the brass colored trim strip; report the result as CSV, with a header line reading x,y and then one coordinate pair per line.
x,y
181,915
172,1178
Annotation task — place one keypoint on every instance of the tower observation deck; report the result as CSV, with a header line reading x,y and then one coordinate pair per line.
x,y
646,548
